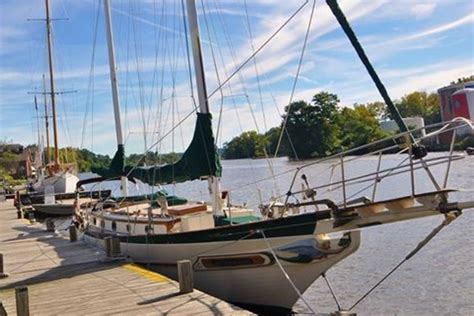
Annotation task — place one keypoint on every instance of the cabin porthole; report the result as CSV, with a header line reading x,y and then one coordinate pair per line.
x,y
114,226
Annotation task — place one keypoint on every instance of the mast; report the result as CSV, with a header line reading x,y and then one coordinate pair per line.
x,y
46,120
214,188
115,93
51,82
113,74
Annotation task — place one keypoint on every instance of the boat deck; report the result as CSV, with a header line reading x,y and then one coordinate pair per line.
x,y
73,278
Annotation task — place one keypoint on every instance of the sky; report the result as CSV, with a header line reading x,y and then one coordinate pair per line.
x,y
413,45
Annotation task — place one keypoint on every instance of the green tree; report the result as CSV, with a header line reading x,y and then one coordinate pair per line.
x,y
463,79
358,126
271,139
311,127
246,145
421,104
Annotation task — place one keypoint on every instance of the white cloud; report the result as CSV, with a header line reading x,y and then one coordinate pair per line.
x,y
422,10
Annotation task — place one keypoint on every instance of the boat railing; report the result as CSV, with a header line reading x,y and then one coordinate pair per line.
x,y
401,143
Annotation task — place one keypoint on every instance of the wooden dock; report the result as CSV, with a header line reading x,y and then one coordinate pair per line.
x,y
72,278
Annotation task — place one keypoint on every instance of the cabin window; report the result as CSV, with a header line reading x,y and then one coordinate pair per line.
x,y
94,221
233,262
127,227
102,224
114,226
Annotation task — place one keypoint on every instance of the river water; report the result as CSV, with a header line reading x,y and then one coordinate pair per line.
x,y
438,280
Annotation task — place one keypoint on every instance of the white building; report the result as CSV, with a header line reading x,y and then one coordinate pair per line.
x,y
411,122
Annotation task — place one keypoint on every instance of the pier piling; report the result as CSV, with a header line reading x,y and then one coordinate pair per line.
x,y
2,271
185,275
22,304
49,225
72,233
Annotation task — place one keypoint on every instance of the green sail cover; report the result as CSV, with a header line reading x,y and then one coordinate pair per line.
x,y
199,160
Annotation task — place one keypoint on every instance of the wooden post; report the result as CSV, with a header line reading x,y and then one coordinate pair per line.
x,y
2,271
3,312
185,275
72,233
50,225
108,246
22,305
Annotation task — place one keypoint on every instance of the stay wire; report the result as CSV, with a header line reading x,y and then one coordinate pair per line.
x,y
219,121
90,94
420,246
300,63
259,49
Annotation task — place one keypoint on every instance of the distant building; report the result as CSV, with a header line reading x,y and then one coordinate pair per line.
x,y
16,160
457,100
411,122
13,148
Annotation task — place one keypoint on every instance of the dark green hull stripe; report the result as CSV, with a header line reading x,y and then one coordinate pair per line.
x,y
304,224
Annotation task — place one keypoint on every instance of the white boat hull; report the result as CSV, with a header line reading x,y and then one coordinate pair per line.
x,y
264,287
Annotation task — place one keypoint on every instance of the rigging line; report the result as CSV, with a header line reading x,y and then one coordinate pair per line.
x,y
270,164
127,77
229,86
161,138
161,98
305,42
141,92
258,50
285,274
249,30
188,57
219,121
155,67
281,27
332,291
420,246
90,94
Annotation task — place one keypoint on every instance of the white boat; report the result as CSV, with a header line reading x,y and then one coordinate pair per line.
x,y
60,182
262,262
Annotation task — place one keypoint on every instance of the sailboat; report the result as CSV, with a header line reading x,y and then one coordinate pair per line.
x,y
261,262
53,193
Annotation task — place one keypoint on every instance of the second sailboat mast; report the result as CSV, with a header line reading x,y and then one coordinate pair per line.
x,y
51,82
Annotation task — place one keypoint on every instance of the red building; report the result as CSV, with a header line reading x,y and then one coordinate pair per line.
x,y
457,100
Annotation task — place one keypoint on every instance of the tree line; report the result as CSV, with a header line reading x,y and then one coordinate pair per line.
x,y
322,126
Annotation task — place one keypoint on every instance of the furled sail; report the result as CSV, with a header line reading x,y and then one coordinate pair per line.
x,y
199,160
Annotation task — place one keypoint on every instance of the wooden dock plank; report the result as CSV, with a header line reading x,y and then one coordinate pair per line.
x,y
67,278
